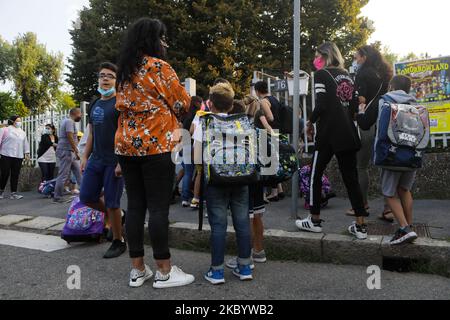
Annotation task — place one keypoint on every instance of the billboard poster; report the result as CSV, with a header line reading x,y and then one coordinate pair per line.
x,y
431,87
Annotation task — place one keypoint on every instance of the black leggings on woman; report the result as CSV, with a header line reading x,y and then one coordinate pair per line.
x,y
347,167
149,184
10,167
47,171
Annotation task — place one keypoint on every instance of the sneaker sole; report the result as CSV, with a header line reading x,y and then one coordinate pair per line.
x,y
163,285
301,228
359,237
405,240
243,278
229,266
260,260
214,281
141,283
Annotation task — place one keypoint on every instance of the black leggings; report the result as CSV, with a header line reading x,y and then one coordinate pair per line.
x,y
149,184
348,167
10,167
47,171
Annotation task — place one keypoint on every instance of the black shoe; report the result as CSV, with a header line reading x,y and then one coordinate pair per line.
x,y
281,195
116,250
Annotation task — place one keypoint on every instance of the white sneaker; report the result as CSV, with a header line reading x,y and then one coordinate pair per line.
x,y
360,232
138,278
176,278
185,204
15,196
308,225
2,195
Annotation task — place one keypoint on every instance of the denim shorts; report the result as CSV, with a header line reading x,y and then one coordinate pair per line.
x,y
98,177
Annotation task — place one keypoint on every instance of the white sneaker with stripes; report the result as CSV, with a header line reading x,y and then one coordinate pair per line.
x,y
308,225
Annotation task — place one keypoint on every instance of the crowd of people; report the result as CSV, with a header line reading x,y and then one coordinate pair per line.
x,y
132,133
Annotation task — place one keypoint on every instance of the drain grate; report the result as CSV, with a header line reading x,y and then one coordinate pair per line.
x,y
378,229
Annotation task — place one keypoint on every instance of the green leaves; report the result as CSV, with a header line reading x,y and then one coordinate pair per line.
x,y
222,38
36,74
11,105
6,60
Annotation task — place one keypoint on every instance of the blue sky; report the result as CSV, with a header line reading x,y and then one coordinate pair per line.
x,y
403,25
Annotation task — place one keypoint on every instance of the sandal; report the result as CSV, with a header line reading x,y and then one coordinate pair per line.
x,y
385,216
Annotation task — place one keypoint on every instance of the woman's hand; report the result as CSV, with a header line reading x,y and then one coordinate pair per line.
x,y
27,157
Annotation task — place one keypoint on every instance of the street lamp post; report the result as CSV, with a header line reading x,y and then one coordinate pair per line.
x,y
296,133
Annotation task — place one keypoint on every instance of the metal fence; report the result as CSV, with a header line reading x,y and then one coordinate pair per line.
x,y
34,127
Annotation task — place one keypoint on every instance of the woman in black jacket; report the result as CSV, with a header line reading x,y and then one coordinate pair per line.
x,y
47,152
336,106
372,81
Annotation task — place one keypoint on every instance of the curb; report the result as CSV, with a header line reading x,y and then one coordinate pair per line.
x,y
425,256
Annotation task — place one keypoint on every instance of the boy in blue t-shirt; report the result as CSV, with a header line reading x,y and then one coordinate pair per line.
x,y
101,170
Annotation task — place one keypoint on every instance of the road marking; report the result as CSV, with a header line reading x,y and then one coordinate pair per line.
x,y
32,241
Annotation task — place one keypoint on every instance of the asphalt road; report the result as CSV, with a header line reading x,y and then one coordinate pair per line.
x,y
31,274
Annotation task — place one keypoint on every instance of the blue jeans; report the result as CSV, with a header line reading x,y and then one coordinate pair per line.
x,y
218,199
186,193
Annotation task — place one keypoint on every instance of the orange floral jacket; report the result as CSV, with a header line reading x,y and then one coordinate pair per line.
x,y
150,107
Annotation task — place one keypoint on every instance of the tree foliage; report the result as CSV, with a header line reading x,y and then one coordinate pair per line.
x,y
36,73
6,60
11,105
216,38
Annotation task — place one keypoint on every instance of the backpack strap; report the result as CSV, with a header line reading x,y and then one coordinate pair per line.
x,y
202,200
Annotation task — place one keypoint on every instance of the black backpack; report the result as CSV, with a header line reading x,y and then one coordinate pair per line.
x,y
283,114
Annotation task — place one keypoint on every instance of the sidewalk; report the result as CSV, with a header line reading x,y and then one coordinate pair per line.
x,y
433,216
282,240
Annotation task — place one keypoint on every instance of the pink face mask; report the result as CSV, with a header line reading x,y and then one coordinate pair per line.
x,y
319,63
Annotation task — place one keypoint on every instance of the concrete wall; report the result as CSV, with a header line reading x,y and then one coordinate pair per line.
x,y
433,181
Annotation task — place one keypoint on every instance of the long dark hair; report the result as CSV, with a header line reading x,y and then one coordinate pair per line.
x,y
142,38
375,60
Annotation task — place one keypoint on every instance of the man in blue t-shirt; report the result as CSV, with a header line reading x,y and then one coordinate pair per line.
x,y
99,162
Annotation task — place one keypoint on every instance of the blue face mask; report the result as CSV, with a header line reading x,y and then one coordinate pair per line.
x,y
107,93
356,66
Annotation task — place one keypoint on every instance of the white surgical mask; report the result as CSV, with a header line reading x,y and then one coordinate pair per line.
x,y
18,125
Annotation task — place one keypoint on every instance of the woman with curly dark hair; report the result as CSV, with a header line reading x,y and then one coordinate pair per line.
x,y
151,101
372,81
